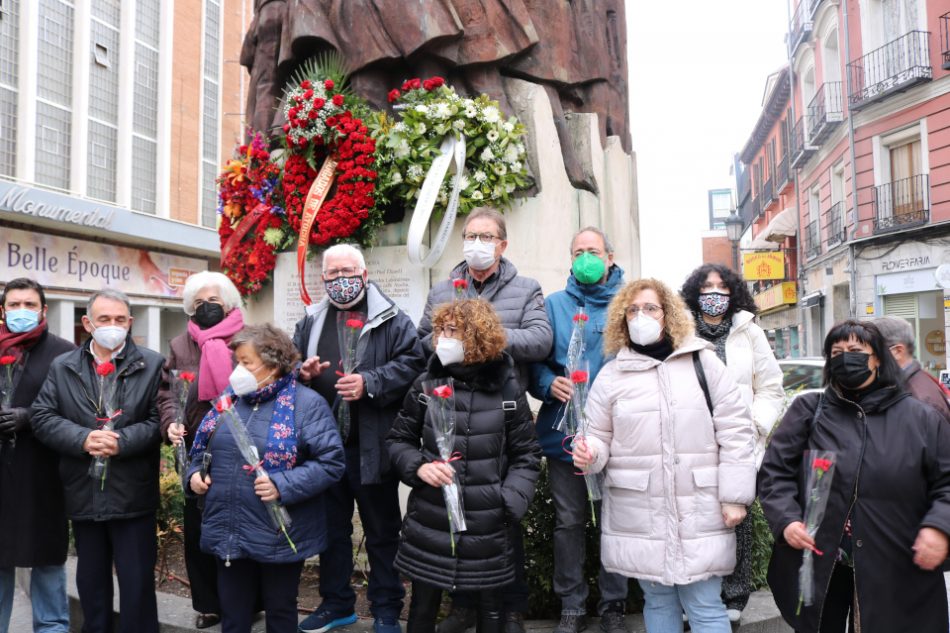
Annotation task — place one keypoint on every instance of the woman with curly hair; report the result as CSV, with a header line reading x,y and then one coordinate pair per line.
x,y
724,313
496,462
670,432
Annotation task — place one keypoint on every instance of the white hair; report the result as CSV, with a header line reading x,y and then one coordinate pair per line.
x,y
344,250
207,279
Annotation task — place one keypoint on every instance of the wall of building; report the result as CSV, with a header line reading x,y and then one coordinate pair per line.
x,y
717,249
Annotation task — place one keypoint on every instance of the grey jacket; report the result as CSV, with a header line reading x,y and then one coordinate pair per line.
x,y
520,306
389,359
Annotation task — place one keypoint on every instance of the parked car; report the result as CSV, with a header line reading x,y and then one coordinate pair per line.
x,y
801,375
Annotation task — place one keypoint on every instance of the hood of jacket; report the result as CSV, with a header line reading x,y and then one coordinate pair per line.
x,y
501,277
629,359
597,295
487,376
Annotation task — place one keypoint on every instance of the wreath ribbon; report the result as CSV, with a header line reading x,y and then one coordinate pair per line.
x,y
315,198
452,151
251,221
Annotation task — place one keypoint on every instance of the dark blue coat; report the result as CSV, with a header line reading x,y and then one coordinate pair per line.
x,y
561,308
235,522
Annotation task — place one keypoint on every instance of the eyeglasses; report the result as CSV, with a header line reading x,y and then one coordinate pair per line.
x,y
448,330
481,237
349,271
651,310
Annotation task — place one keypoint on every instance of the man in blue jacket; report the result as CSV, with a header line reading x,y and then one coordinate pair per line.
x,y
593,282
389,358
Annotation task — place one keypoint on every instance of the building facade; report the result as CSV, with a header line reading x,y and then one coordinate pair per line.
x,y
115,116
872,152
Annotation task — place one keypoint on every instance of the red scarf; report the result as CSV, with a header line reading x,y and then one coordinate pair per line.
x,y
16,343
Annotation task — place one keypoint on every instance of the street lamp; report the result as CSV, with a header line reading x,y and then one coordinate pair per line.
x,y
734,228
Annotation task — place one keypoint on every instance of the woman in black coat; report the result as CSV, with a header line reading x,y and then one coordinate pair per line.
x,y
496,460
884,533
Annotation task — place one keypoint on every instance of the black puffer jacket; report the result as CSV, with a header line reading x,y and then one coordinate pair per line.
x,y
499,466
65,413
893,473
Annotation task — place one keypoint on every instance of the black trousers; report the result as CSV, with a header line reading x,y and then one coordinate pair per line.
x,y
515,595
202,569
426,599
838,611
129,544
242,583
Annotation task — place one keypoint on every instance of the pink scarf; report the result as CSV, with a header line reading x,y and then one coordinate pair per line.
x,y
215,367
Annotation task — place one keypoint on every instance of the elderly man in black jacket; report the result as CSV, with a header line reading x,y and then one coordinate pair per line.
x,y
389,357
113,514
32,517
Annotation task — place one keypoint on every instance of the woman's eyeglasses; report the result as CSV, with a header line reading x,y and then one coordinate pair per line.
x,y
651,310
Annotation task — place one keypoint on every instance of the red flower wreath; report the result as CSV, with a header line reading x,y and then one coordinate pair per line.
x,y
318,127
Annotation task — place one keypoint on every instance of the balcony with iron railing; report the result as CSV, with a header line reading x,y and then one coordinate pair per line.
x,y
945,40
824,112
800,28
781,175
812,241
802,149
835,225
767,194
894,67
902,204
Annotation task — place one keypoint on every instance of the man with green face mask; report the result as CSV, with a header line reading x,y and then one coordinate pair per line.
x,y
593,282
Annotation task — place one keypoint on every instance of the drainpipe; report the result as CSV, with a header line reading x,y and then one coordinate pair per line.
x,y
798,208
852,259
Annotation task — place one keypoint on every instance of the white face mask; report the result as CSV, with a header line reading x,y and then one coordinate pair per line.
x,y
242,381
449,351
478,255
644,330
110,336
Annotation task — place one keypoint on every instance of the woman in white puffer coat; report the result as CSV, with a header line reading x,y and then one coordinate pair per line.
x,y
679,469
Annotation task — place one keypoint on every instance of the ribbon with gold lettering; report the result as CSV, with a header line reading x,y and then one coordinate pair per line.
x,y
248,223
317,194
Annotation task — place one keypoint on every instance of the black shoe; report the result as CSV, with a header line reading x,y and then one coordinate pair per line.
x,y
612,621
514,622
459,620
206,620
571,623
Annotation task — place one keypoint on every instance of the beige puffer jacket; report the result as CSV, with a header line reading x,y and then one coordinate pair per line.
x,y
668,465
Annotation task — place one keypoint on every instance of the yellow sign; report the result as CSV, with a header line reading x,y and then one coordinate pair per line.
x,y
760,266
778,295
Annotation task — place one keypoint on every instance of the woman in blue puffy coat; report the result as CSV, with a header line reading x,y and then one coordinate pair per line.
x,y
301,454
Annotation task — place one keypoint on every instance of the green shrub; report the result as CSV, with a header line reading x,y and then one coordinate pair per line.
x,y
171,505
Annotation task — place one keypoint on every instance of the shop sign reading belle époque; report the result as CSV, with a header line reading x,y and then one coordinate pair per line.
x,y
61,262
53,206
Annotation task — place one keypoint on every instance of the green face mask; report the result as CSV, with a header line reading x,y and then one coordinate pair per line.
x,y
588,268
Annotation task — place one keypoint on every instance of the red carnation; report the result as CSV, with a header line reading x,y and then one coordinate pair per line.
x,y
393,95
356,324
578,376
305,84
580,317
328,84
459,283
104,369
7,360
308,95
222,404
824,465
318,103
338,100
443,391
436,81
427,84
187,376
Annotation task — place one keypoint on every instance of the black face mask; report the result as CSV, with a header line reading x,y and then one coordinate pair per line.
x,y
208,315
850,369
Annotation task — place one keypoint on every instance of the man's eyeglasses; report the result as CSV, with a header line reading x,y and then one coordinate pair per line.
x,y
349,271
481,237
651,310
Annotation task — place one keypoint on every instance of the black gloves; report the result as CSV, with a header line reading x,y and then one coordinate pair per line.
x,y
13,420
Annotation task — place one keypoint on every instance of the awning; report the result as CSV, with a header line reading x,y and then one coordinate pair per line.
x,y
783,225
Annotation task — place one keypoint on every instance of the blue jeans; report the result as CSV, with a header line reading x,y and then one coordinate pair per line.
x,y
664,606
571,507
48,595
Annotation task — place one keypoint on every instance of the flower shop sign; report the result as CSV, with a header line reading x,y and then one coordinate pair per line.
x,y
48,205
69,263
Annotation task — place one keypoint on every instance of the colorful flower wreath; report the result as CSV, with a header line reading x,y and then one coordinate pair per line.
x,y
429,110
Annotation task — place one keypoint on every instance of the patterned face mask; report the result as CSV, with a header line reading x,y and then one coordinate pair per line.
x,y
344,292
714,303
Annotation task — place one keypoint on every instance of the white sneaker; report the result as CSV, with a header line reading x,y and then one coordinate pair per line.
x,y
733,614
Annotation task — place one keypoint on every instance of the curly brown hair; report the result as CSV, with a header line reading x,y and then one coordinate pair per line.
x,y
678,325
483,337
271,343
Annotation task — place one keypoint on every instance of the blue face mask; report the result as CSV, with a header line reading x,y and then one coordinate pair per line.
x,y
23,320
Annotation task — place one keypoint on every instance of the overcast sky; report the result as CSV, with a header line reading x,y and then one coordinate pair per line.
x,y
697,74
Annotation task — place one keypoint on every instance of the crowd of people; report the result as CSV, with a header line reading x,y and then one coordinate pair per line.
x,y
286,437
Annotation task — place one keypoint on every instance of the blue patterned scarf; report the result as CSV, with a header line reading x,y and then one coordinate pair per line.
x,y
280,452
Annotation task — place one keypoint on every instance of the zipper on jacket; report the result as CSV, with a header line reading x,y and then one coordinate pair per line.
x,y
854,499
